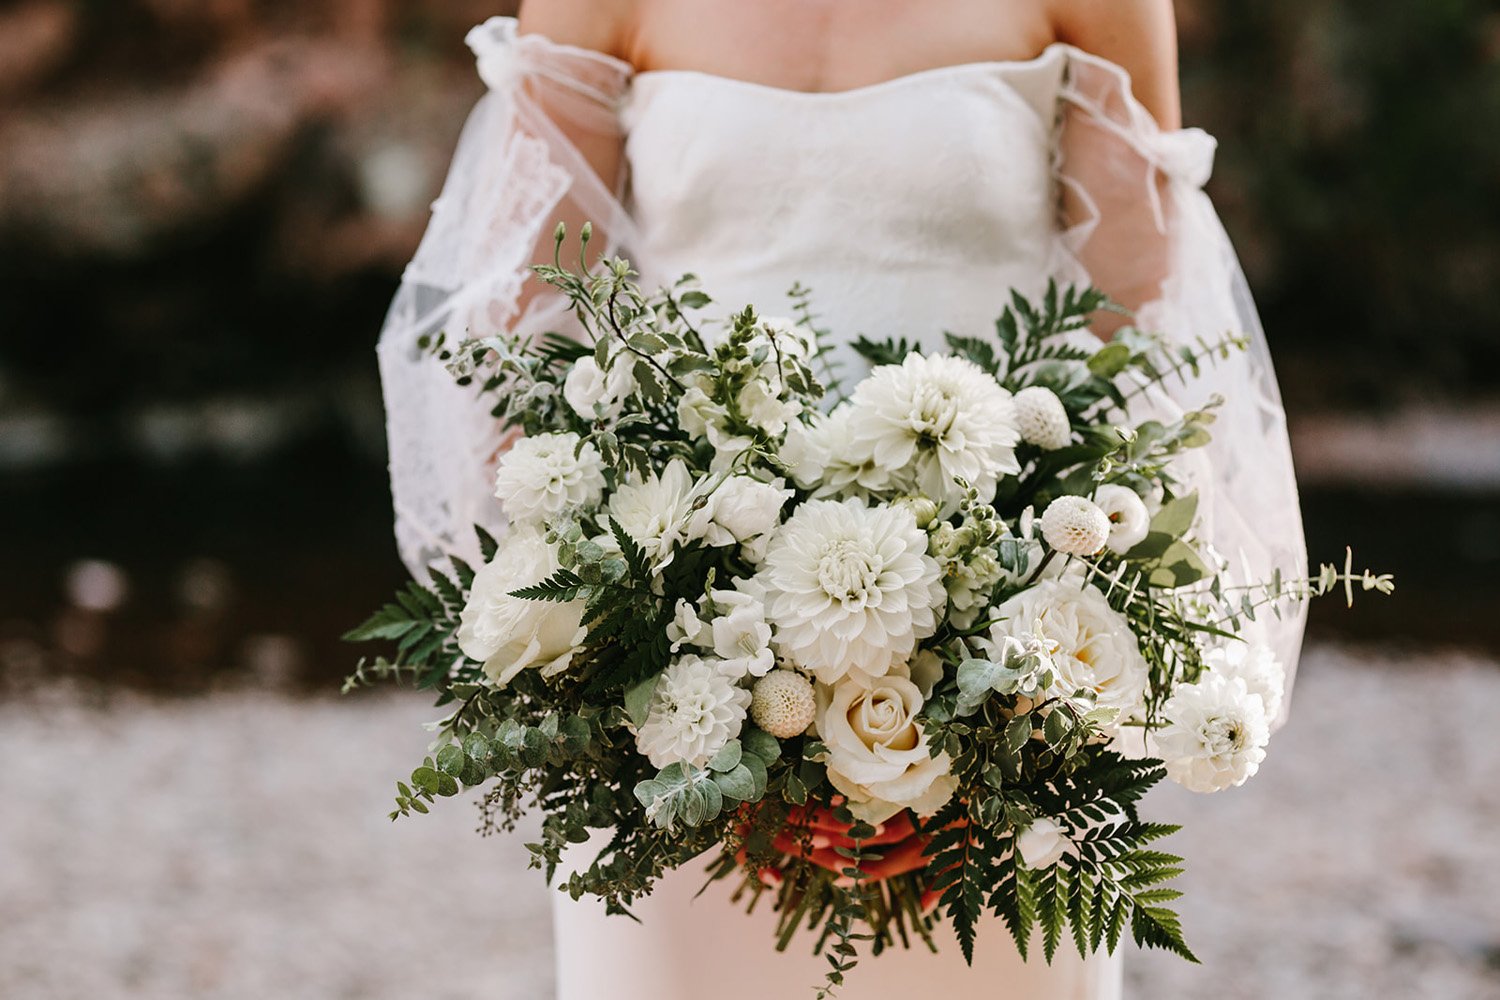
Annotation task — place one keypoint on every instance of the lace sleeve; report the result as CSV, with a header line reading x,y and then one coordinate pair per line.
x,y
541,146
1137,222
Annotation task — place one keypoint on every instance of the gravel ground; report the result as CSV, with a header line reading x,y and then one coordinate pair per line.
x,y
236,847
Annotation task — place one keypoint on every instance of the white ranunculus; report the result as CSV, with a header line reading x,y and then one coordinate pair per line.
x,y
1255,663
930,419
508,634
824,458
740,509
1092,644
594,393
877,753
653,509
1042,844
740,636
1129,521
696,708
542,476
1215,735
850,588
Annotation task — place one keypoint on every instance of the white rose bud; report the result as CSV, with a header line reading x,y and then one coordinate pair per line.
x,y
1042,844
1075,526
1041,419
782,703
1129,521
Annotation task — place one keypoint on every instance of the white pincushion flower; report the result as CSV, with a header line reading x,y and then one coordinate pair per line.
x,y
1041,418
1075,526
739,510
877,752
508,634
782,703
1090,643
1129,521
653,510
1215,736
594,393
739,636
1042,844
850,587
824,459
930,419
695,709
1256,665
542,476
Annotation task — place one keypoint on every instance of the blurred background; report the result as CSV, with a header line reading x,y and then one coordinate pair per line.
x,y
204,209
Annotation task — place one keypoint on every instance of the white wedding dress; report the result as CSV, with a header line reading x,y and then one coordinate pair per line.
x,y
909,208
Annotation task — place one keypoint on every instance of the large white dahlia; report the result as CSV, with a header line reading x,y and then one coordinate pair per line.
x,y
850,587
824,458
930,419
1215,736
653,509
695,709
542,476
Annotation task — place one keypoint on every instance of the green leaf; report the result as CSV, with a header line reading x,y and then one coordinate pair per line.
x,y
739,783
728,758
638,700
1110,360
427,779
451,759
1176,516
759,743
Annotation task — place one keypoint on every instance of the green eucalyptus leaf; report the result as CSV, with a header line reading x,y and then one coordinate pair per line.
x,y
728,758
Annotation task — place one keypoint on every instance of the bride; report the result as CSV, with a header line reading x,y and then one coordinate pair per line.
x,y
911,163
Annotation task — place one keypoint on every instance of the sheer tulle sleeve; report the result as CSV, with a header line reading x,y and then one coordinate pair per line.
x,y
543,145
1138,224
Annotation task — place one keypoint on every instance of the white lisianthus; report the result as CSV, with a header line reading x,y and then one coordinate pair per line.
x,y
1255,664
740,637
850,588
1042,844
594,393
1090,643
824,459
695,709
1129,521
696,413
1041,418
782,703
877,752
930,419
653,510
542,476
1075,526
740,509
508,634
1215,736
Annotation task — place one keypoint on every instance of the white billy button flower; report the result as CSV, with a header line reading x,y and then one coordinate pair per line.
x,y
850,588
542,476
739,510
593,393
695,709
508,634
1041,418
1215,736
1075,526
1129,521
782,703
1042,844
1256,665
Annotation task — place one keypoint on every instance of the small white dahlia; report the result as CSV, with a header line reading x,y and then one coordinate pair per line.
x,y
1041,419
782,703
542,476
695,709
1075,526
653,510
1256,665
1215,736
824,458
1129,521
850,588
930,419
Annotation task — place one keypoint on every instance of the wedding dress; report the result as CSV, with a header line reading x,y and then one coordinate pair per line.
x,y
909,208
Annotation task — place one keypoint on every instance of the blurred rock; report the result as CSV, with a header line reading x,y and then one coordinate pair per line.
x,y
96,585
35,39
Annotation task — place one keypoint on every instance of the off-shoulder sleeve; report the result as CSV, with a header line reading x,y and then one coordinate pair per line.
x,y
543,145
1137,223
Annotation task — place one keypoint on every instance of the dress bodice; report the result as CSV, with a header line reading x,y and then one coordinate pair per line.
x,y
908,207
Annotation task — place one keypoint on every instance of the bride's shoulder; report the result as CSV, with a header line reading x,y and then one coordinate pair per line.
x,y
600,25
1139,36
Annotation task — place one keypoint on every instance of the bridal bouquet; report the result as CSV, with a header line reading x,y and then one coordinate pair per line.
x,y
906,653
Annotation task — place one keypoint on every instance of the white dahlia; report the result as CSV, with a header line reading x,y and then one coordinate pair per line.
x,y
1215,736
542,476
824,458
850,587
653,510
1129,521
1041,419
782,703
695,709
1256,665
1091,643
1075,526
930,419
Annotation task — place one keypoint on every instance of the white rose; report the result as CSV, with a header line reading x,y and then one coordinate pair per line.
x,y
508,634
740,509
593,393
696,413
877,753
1042,844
